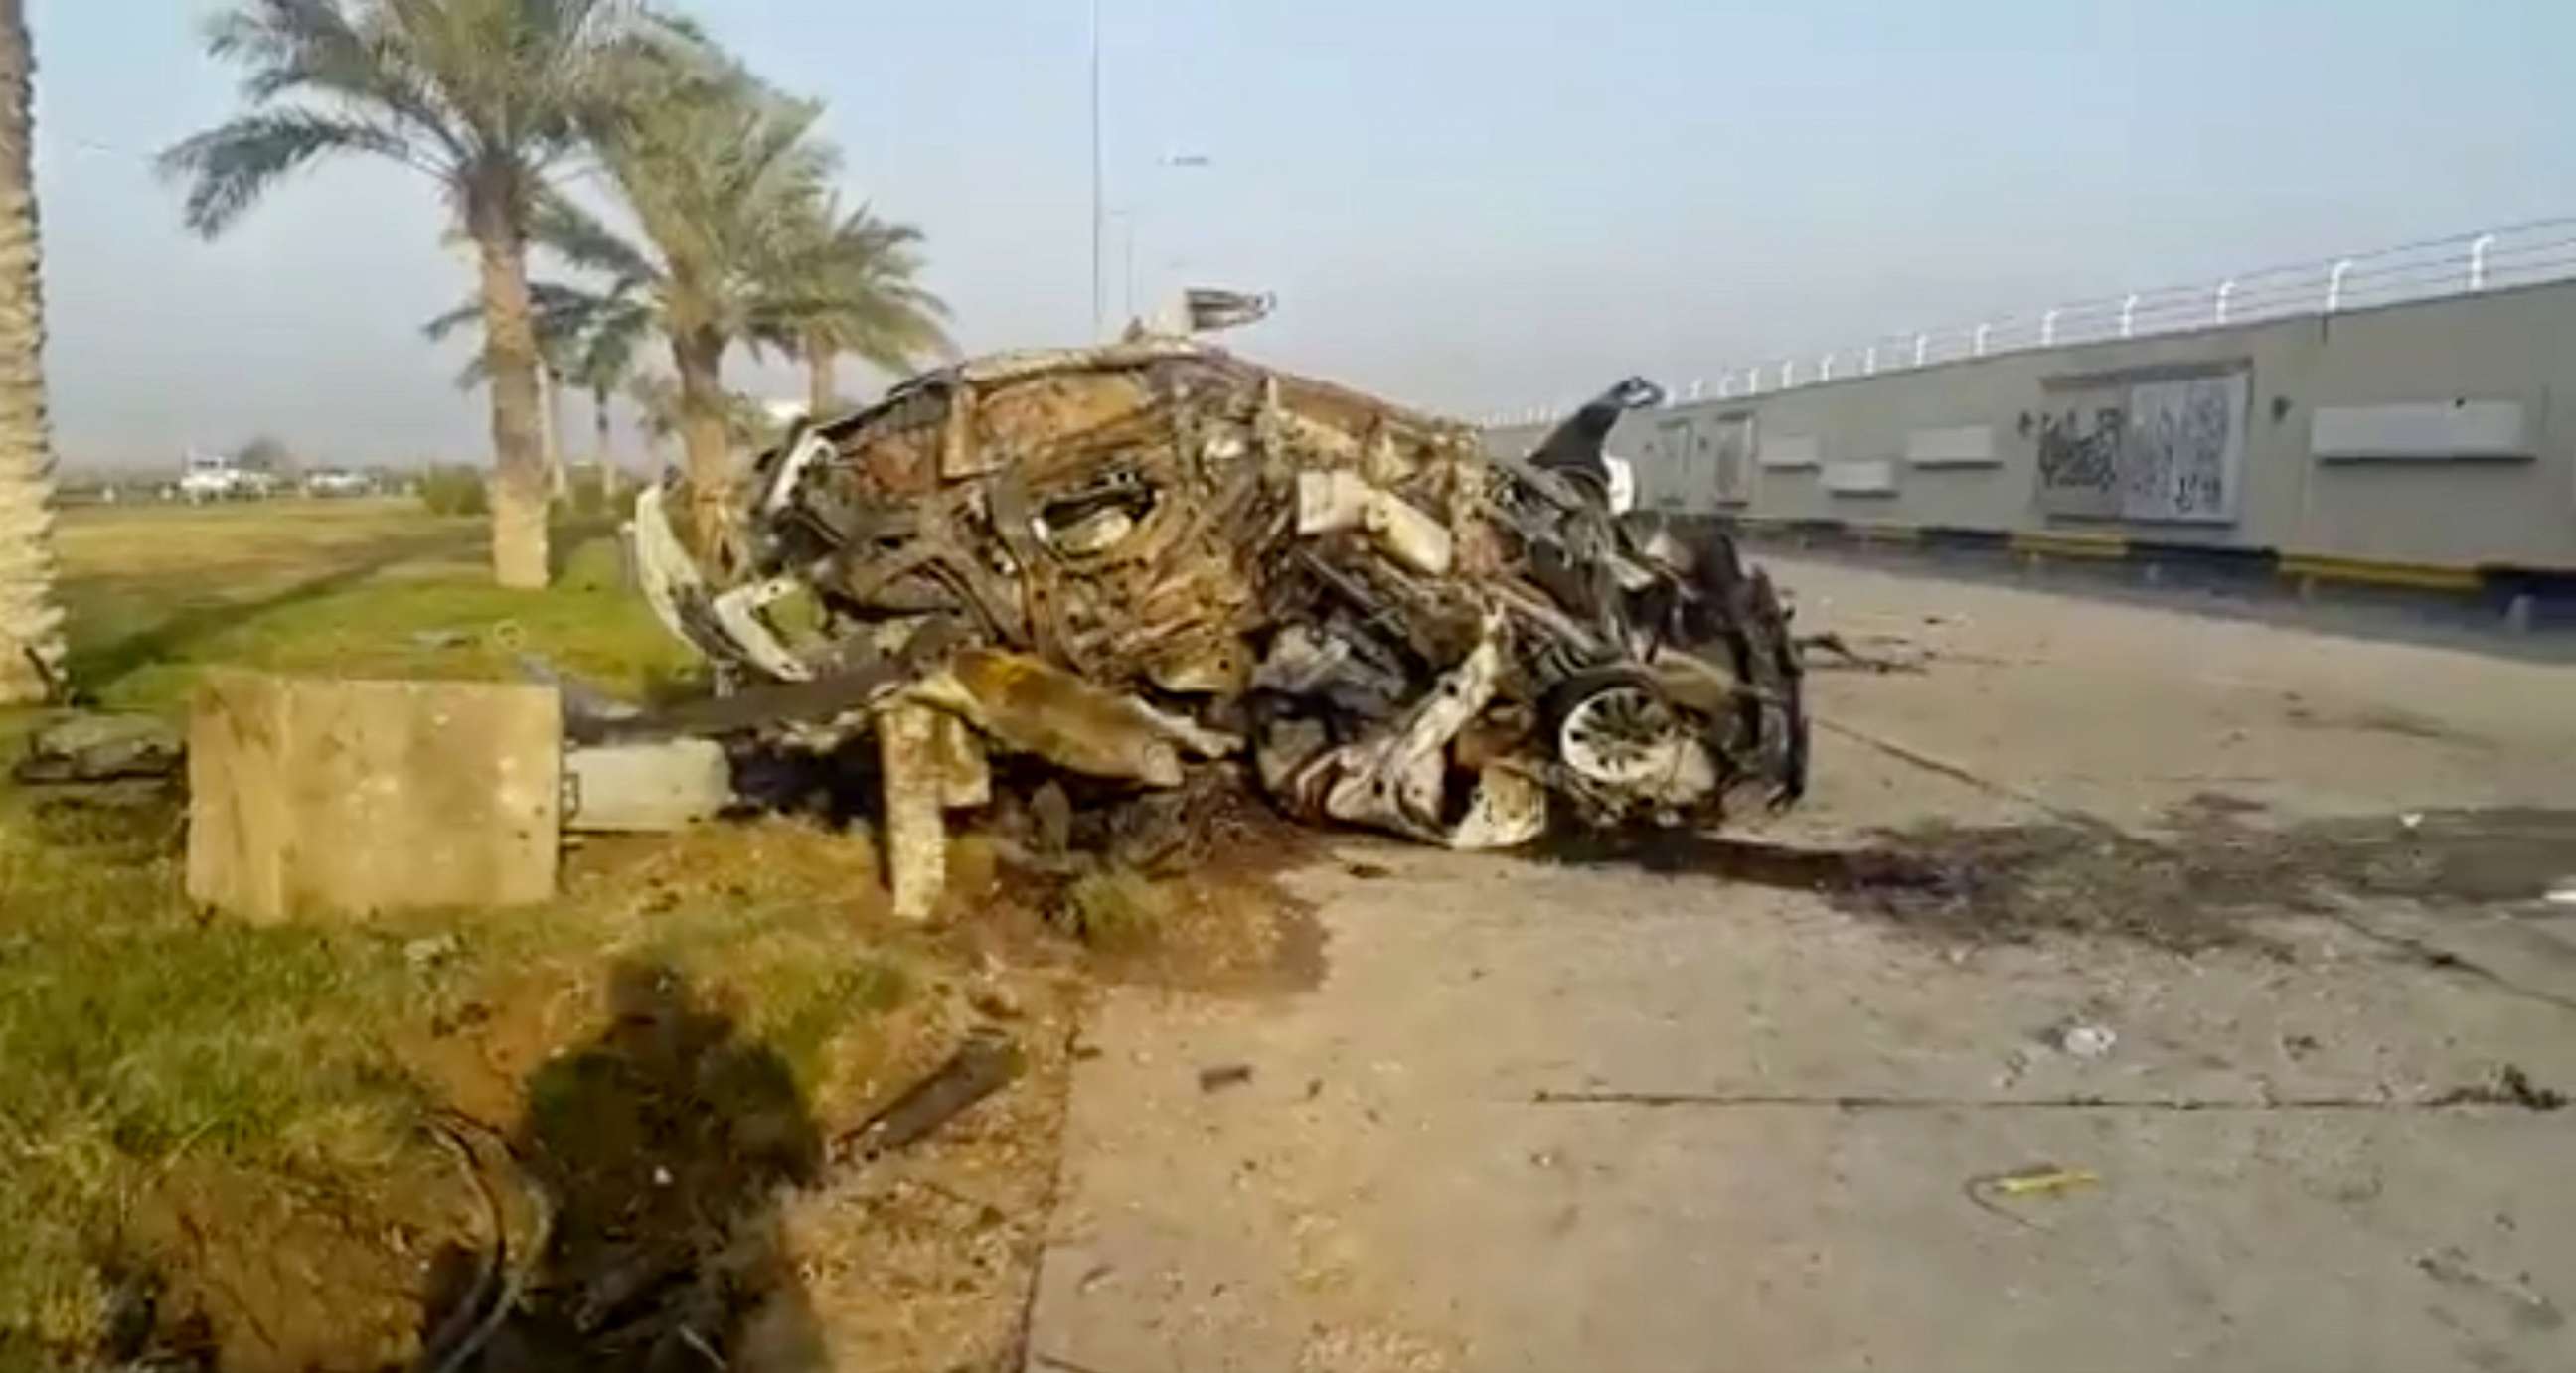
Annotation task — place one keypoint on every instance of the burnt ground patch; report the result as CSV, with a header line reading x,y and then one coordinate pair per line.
x,y
2209,870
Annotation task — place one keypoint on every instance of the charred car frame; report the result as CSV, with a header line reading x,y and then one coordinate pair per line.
x,y
1133,560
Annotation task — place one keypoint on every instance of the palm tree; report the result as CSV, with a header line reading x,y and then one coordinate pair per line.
x,y
483,96
723,177
604,363
656,400
851,290
31,645
585,339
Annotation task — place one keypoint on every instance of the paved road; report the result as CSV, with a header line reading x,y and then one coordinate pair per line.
x,y
1390,1190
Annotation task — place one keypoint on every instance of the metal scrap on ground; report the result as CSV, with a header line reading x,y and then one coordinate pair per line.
x,y
1133,562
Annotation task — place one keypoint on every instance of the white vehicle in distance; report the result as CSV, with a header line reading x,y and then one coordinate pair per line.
x,y
209,477
218,477
338,481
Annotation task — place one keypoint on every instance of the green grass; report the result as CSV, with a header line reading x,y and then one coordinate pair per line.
x,y
1117,909
141,1039
354,588
135,1032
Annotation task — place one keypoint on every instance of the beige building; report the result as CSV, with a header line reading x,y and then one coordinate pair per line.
x,y
2436,438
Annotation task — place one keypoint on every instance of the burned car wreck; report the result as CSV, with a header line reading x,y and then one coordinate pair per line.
x,y
1132,561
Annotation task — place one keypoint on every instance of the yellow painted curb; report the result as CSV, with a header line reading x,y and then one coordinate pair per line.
x,y
2372,572
2108,547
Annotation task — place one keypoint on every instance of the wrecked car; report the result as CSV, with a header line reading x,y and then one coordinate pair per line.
x,y
1140,559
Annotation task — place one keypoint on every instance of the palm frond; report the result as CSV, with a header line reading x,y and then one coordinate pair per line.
x,y
484,95
317,49
610,348
582,334
849,285
440,326
564,228
229,166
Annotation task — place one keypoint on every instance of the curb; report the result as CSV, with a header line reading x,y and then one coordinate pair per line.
x,y
2520,593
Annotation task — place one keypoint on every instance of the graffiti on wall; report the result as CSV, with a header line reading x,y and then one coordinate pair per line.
x,y
2079,456
2168,450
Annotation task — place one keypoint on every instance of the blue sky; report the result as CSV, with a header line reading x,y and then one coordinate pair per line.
x,y
1461,205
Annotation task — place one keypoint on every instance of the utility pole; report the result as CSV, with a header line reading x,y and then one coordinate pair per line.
x,y
1098,302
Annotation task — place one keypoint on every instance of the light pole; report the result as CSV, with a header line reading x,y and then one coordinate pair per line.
x,y
1127,247
1098,301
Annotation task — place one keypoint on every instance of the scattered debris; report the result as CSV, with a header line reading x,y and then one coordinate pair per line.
x,y
2507,1085
2047,1179
980,1067
505,1265
1224,1075
429,951
1894,654
993,998
2087,1041
101,748
645,787
2038,1180
2450,1267
2562,892
1136,563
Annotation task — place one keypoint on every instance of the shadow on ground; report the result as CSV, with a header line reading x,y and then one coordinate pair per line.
x,y
96,667
664,1145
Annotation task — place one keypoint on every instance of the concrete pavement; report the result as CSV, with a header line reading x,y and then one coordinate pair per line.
x,y
1549,1116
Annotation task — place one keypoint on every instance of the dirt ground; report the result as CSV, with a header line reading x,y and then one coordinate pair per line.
x,y
2135,990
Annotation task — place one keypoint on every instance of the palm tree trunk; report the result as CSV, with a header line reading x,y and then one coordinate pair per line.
x,y
698,356
820,386
550,432
31,645
510,359
599,452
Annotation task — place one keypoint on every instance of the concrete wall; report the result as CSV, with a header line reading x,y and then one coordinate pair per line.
x,y
2450,425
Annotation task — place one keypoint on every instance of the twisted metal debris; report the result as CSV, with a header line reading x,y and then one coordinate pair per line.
x,y
1137,560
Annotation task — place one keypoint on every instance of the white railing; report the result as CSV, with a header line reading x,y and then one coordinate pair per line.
x,y
2462,264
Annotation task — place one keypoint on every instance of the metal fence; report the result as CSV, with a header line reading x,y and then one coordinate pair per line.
x,y
2480,260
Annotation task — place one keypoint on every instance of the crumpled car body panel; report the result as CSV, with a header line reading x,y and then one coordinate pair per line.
x,y
1193,557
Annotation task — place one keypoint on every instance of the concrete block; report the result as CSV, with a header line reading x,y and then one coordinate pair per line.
x,y
915,789
101,748
646,787
932,762
335,799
